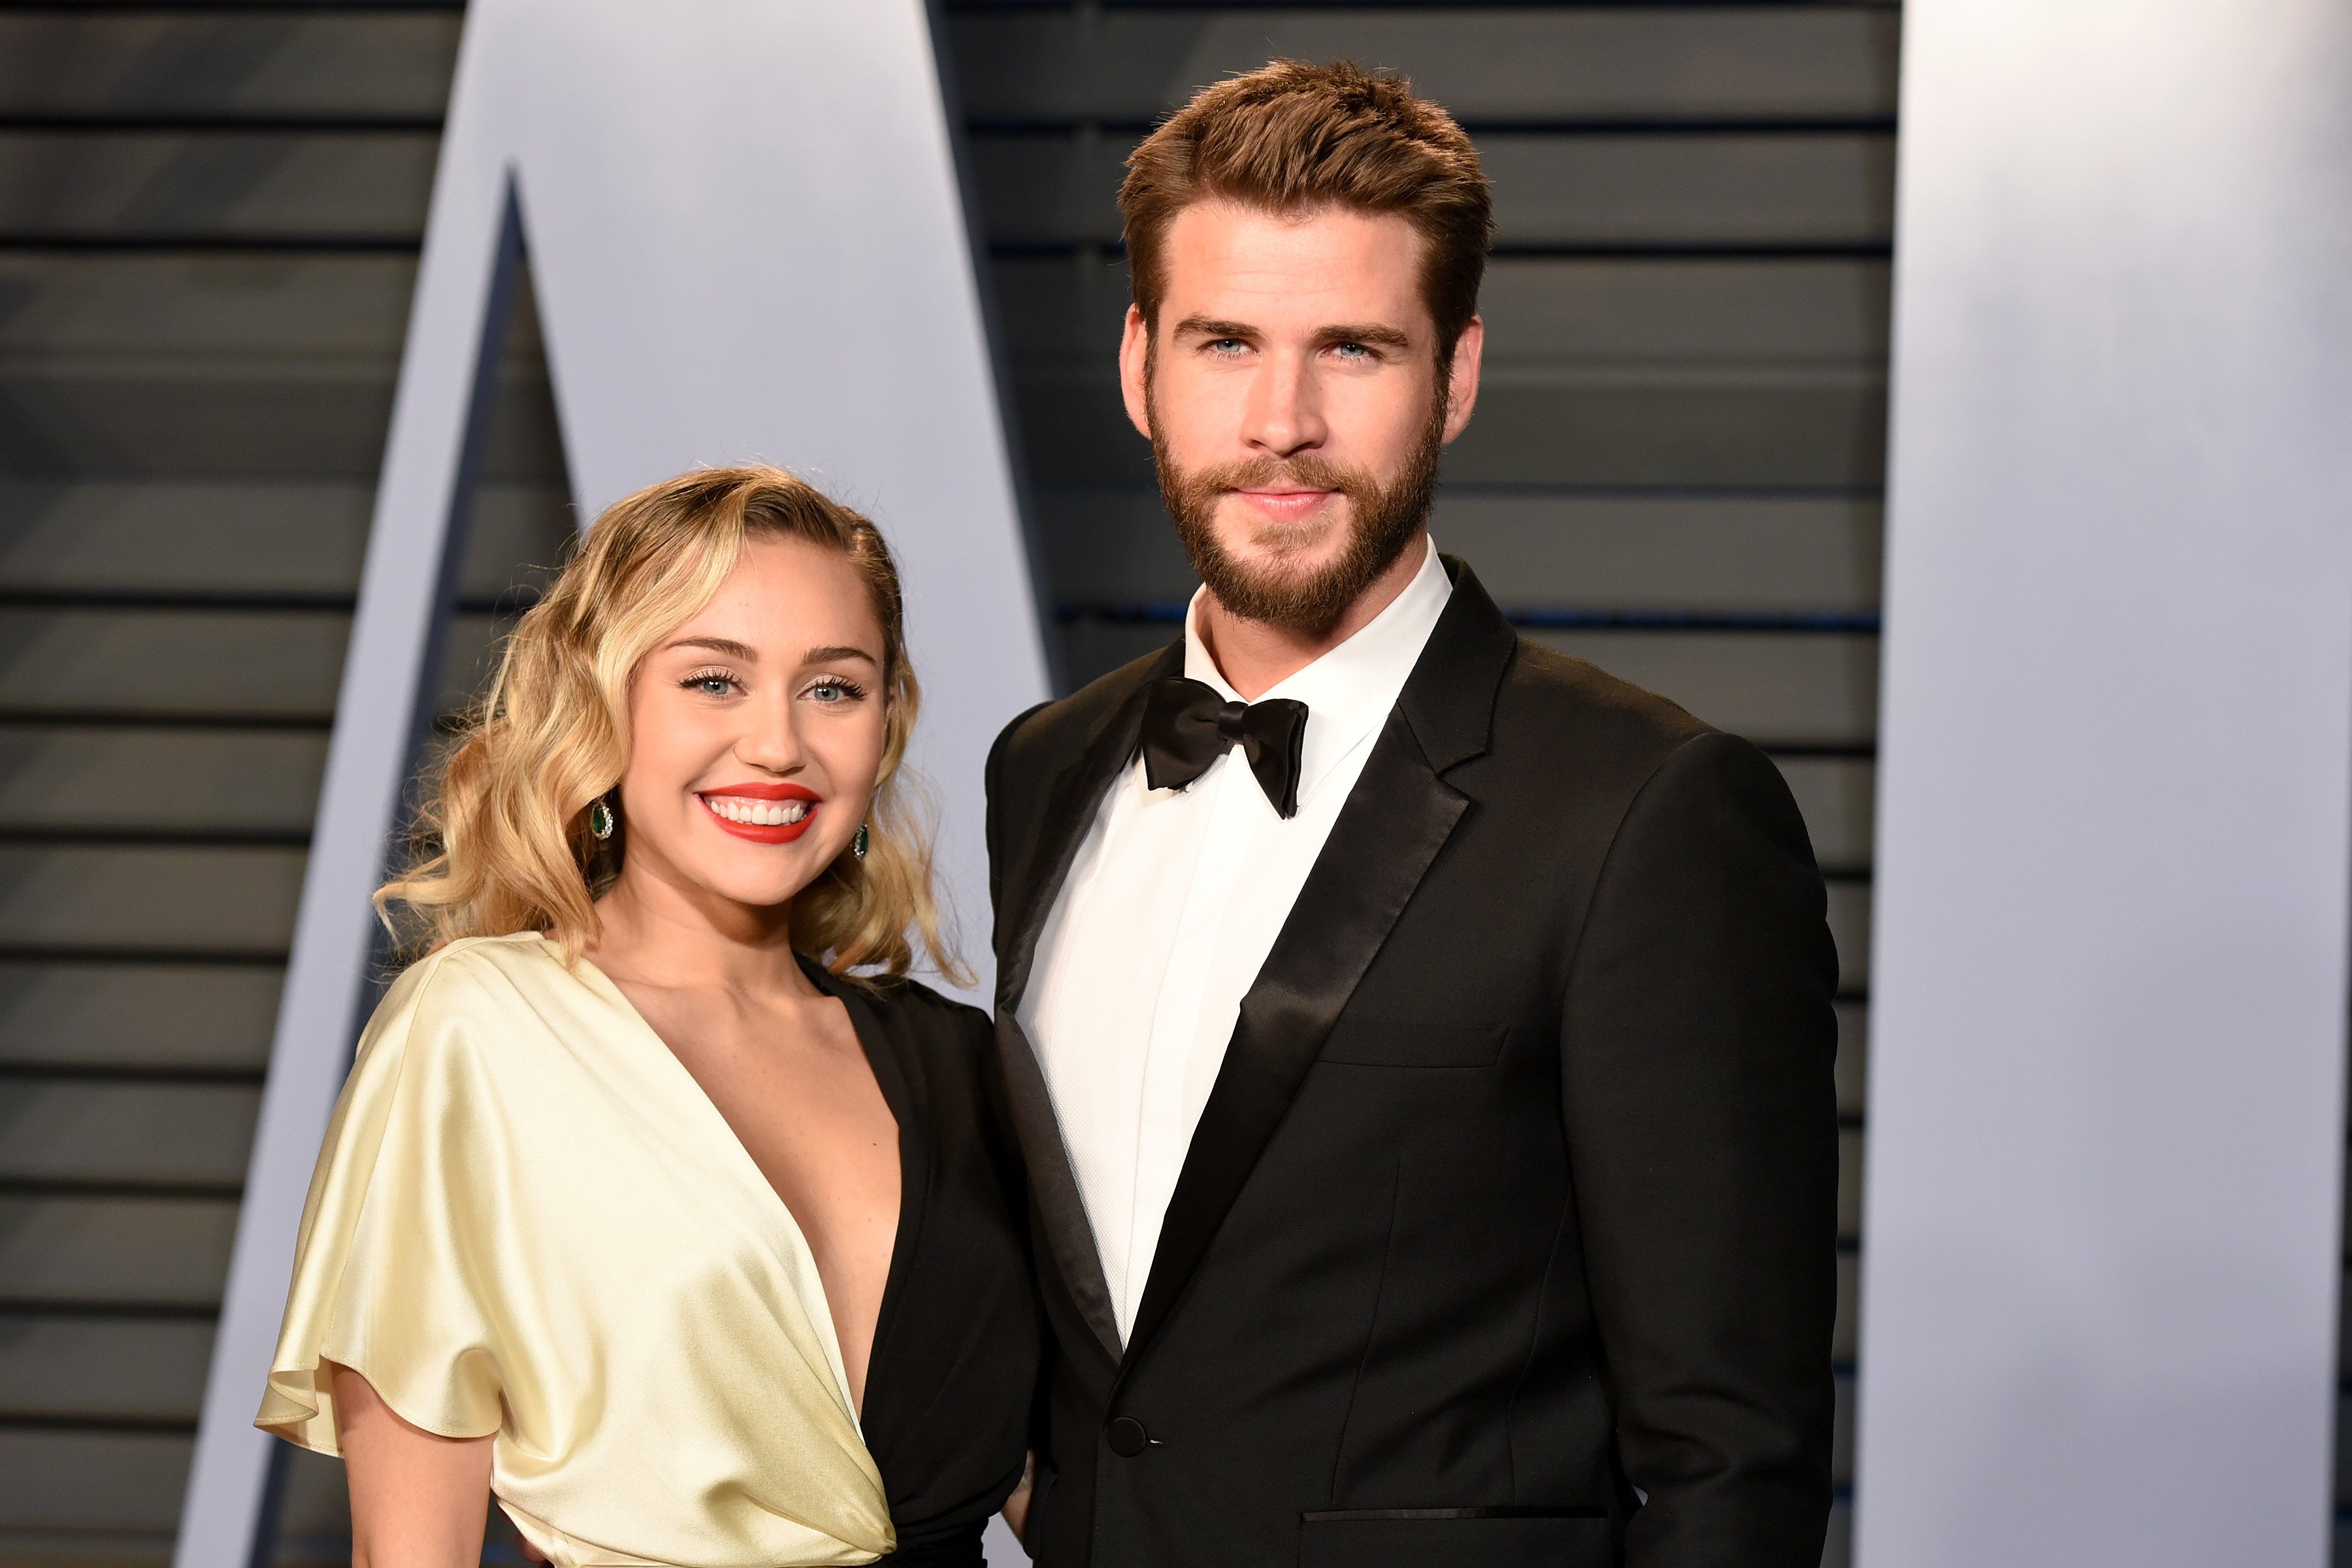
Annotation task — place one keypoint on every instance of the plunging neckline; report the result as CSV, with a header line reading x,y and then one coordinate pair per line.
x,y
888,1083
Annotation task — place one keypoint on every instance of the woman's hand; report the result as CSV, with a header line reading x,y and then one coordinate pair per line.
x,y
1016,1506
418,1499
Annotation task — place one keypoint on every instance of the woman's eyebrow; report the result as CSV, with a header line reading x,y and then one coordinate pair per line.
x,y
726,646
829,654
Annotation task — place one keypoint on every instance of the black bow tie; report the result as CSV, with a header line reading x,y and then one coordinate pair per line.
x,y
1187,726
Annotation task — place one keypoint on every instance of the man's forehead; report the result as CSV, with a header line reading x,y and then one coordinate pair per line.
x,y
1221,256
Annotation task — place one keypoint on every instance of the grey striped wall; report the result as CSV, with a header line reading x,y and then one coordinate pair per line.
x,y
208,224
209,218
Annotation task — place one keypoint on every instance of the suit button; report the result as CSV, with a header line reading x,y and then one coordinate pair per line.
x,y
1128,1437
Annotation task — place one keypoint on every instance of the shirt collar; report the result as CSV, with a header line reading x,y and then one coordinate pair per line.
x,y
1350,690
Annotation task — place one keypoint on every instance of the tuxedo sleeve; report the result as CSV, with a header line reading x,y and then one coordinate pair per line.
x,y
1697,1049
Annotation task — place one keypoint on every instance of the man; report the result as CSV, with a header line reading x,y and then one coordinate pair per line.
x,y
1420,1042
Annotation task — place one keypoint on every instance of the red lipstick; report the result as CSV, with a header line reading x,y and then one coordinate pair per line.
x,y
762,800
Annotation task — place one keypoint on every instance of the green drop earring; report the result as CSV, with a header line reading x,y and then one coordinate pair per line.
x,y
600,819
857,845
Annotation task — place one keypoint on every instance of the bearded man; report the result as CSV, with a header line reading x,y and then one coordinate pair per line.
x,y
1419,1042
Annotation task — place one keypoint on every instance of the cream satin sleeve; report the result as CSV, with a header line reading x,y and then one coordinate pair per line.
x,y
391,1241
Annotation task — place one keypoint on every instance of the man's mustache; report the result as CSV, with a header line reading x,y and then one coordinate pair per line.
x,y
1303,473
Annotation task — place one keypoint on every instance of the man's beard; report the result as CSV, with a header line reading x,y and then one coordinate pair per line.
x,y
1381,520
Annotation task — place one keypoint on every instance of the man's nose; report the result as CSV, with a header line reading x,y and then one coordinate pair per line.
x,y
1285,414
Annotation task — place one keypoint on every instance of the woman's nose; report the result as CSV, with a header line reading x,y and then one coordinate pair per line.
x,y
772,738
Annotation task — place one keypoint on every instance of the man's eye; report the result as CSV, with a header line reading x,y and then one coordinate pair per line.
x,y
1227,346
1352,350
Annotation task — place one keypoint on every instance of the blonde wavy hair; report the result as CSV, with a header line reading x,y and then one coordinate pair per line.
x,y
501,842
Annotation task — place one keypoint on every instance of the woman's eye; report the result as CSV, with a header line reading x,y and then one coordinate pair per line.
x,y
835,690
709,684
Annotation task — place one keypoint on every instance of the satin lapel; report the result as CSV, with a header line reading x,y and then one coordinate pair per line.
x,y
1396,820
1052,1185
1071,801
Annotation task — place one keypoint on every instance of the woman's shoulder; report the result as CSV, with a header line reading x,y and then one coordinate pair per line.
x,y
910,1005
475,980
472,963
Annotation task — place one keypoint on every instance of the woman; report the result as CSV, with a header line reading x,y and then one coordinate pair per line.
x,y
660,1203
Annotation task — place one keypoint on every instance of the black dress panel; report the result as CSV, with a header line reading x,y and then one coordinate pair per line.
x,y
949,1387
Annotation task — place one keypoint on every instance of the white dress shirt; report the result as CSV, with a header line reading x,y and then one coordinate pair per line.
x,y
1171,904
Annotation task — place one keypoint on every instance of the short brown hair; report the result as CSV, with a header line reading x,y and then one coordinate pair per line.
x,y
1293,137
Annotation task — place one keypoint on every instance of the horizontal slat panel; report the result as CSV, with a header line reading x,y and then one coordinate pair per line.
x,y
322,418
1852,1057
157,898
1841,1437
1736,554
161,1252
207,1018
244,66
281,663
1849,922
1536,549
84,1548
121,1369
173,537
1742,189
1828,189
178,1134
1793,689
1836,794
1848,1185
137,1482
110,1482
1825,429
1715,310
1067,311
1846,1334
151,780
214,184
1492,64
315,1524
80,303
1784,429
273,664
1837,1551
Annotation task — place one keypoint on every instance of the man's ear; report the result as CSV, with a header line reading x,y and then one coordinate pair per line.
x,y
1134,357
1462,383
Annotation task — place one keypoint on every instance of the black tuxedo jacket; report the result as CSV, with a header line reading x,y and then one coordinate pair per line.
x,y
1515,1199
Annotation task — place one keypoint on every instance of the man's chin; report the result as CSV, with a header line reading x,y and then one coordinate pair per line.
x,y
1284,575
1301,550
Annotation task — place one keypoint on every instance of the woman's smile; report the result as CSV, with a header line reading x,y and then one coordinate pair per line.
x,y
762,813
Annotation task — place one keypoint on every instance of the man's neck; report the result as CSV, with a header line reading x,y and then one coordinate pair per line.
x,y
1256,657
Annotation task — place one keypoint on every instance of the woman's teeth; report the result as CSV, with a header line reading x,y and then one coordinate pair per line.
x,y
757,813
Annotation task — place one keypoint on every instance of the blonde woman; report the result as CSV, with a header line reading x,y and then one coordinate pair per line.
x,y
660,1203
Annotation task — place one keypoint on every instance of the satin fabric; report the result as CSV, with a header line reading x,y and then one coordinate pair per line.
x,y
529,1220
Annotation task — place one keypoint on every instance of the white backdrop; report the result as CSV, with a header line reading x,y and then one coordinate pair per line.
x,y
748,243
2106,1109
